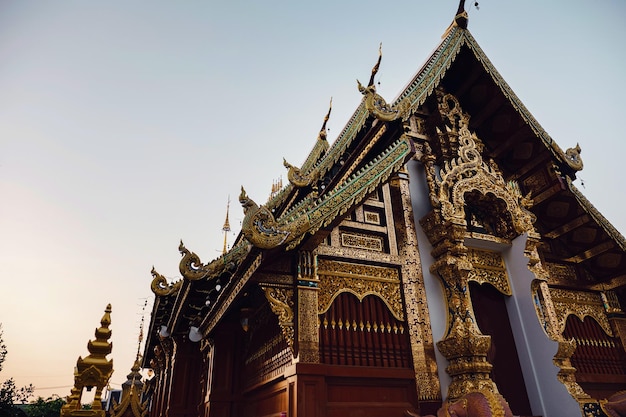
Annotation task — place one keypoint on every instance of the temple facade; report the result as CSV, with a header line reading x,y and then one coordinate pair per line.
x,y
436,258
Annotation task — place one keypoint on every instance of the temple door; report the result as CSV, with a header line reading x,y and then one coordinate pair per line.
x,y
492,319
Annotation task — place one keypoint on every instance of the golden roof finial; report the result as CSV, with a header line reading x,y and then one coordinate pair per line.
x,y
140,337
322,134
226,227
375,68
461,15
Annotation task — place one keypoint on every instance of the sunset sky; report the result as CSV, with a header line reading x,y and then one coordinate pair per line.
x,y
127,126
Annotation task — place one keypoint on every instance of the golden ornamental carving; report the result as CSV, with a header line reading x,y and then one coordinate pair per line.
x,y
160,286
466,352
219,310
297,177
262,230
414,295
468,172
489,268
376,105
566,374
308,332
544,308
360,280
321,144
282,304
362,241
463,345
131,403
92,371
361,184
553,324
572,158
363,153
580,304
192,269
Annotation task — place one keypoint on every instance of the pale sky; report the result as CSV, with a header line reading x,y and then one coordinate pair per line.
x,y
125,127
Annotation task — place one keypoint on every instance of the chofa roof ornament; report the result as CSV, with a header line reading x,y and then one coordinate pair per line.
x,y
374,103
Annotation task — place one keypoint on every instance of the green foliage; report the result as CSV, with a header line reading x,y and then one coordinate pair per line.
x,y
9,393
50,407
3,349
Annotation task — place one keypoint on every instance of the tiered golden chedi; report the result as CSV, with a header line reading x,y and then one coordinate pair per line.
x,y
91,372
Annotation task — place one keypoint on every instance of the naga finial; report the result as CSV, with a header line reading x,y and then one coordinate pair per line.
x,y
322,134
375,68
461,16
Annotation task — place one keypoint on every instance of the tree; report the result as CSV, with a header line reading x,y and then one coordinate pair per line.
x,y
9,394
50,407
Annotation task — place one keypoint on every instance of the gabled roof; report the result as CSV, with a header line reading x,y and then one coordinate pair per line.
x,y
365,154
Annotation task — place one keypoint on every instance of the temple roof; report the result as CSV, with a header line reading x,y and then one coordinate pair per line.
x,y
372,147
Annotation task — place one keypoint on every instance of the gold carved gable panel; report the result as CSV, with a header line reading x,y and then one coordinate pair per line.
x,y
580,304
361,280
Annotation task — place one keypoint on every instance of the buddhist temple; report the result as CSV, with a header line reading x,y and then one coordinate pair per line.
x,y
436,258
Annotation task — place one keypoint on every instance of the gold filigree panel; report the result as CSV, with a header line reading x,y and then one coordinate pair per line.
x,y
468,172
282,304
361,280
580,304
361,241
489,268
371,217
560,272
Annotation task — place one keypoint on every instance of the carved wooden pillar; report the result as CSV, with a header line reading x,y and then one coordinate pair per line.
x,y
163,370
186,398
417,317
307,331
616,316
463,345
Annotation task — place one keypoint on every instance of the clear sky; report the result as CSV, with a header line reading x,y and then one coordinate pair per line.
x,y
125,127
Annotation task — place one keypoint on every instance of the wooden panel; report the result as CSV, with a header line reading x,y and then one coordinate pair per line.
x,y
269,402
186,399
599,359
369,397
363,334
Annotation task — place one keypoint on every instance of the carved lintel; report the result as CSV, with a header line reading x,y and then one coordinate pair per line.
x,y
580,304
360,280
489,268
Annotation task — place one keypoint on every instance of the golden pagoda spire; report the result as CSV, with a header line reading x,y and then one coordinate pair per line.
x,y
130,403
226,227
93,371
